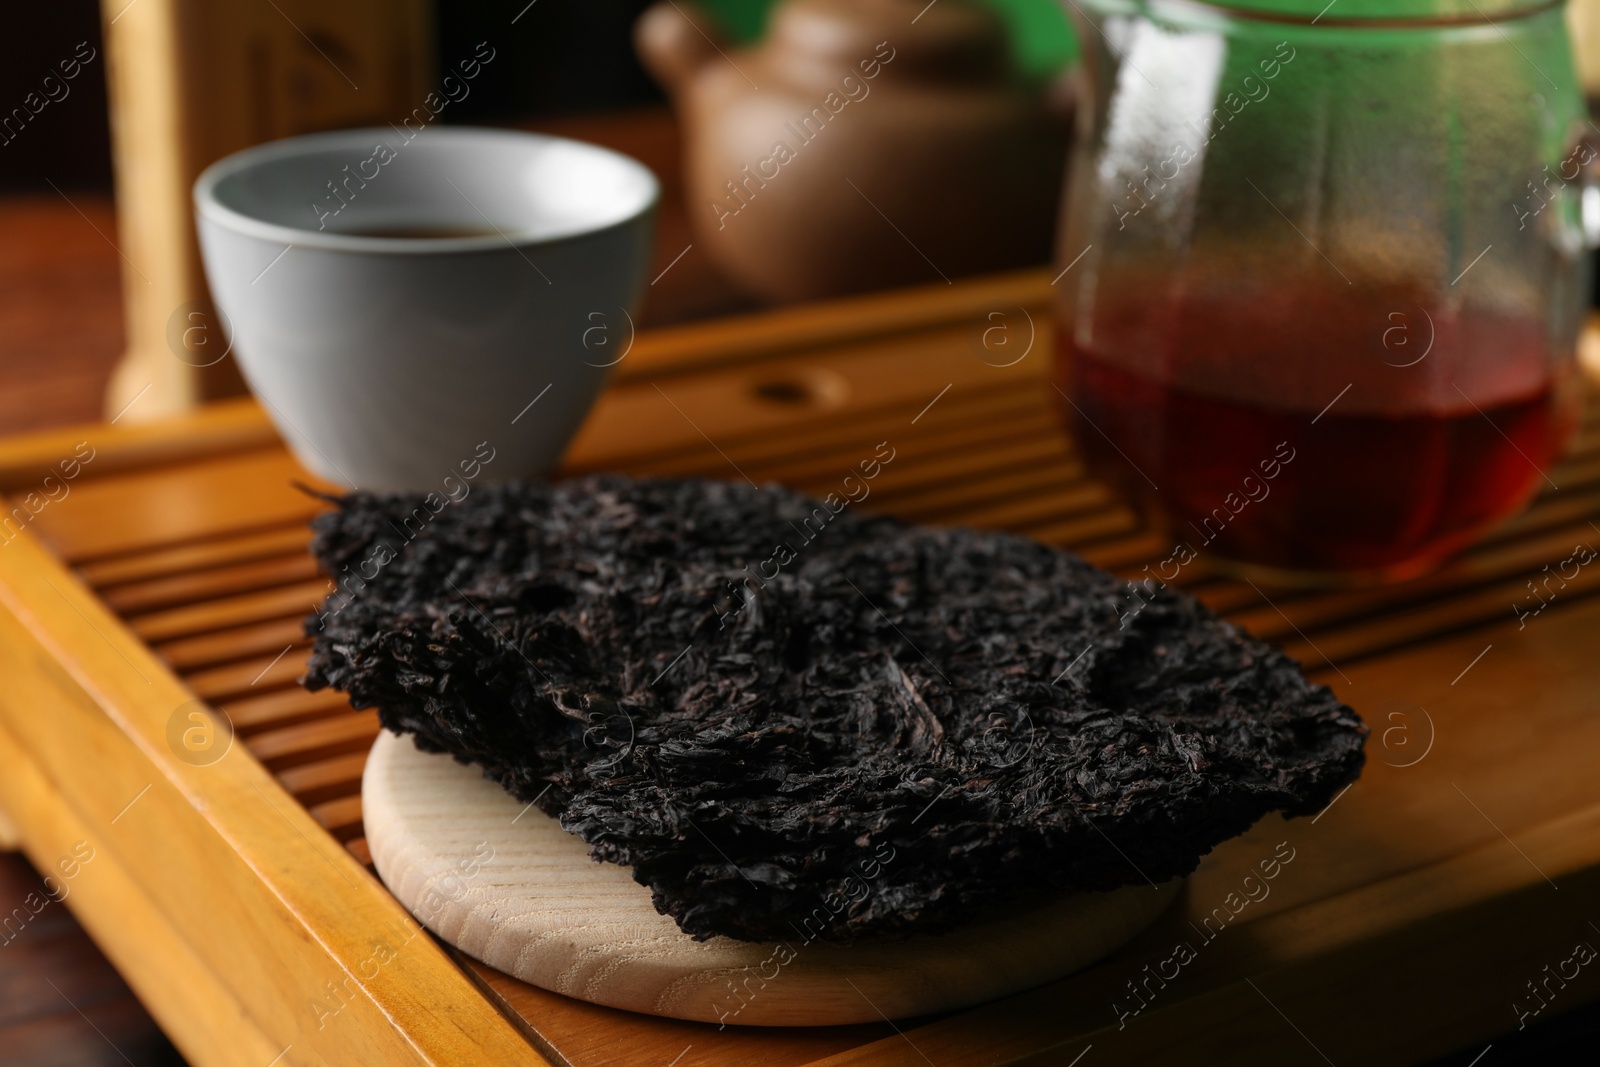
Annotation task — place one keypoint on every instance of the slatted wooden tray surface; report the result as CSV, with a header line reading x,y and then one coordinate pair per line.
x,y
1479,799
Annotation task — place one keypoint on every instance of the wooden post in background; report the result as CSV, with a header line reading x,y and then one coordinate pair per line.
x,y
1583,19
191,81
10,837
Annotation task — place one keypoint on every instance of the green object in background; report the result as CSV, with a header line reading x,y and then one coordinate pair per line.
x,y
742,20
1042,37
1349,10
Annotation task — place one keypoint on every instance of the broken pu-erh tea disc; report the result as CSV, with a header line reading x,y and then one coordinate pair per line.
x,y
739,695
507,886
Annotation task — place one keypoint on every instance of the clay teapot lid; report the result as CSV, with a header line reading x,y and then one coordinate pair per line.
x,y
947,41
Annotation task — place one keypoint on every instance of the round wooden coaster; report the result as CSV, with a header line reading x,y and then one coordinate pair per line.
x,y
506,885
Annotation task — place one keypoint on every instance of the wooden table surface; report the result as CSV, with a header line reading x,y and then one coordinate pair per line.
x,y
61,1003
60,308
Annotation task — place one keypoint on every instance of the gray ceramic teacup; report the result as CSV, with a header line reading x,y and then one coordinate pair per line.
x,y
406,308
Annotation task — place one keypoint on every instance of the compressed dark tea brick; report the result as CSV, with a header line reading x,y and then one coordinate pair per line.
x,y
875,728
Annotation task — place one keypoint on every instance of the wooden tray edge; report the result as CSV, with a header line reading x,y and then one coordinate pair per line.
x,y
86,710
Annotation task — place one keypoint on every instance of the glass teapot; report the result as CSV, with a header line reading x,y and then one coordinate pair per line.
x,y
1324,267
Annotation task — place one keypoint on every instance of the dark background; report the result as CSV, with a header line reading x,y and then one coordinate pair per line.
x,y
572,58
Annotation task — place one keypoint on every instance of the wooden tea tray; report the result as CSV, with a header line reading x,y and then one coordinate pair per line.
x,y
1405,920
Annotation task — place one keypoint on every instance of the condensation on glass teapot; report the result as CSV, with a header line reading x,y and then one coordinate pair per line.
x,y
1328,263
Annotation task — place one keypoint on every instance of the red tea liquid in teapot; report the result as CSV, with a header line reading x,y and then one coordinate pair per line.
x,y
1318,432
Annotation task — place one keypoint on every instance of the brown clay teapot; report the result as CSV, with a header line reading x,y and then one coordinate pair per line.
x,y
862,144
